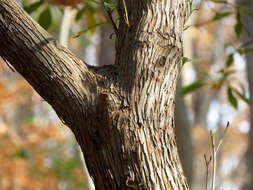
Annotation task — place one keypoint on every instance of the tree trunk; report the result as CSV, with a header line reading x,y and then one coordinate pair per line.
x,y
121,115
183,136
248,37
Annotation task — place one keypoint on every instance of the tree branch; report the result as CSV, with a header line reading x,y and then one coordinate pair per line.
x,y
125,129
62,79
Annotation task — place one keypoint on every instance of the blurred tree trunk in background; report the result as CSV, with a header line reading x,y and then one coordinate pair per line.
x,y
121,115
214,56
248,37
183,135
219,61
106,51
182,122
200,103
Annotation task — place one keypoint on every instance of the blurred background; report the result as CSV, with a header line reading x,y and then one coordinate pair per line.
x,y
39,152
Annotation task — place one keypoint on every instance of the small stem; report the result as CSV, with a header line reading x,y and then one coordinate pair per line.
x,y
207,169
214,160
110,17
221,138
126,13
214,152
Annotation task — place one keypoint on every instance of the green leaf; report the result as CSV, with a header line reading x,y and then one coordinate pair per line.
x,y
80,13
91,9
240,51
93,1
23,153
29,119
219,1
194,86
245,3
186,59
90,21
136,187
238,26
230,60
224,74
204,73
229,72
229,45
247,50
45,18
219,16
110,5
242,96
126,13
65,168
190,10
244,50
232,99
32,7
86,30
245,11
243,88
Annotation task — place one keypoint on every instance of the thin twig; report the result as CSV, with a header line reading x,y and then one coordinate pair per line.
x,y
110,17
126,14
221,138
249,42
214,160
207,169
214,153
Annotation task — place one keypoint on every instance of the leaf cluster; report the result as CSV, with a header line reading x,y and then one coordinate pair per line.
x,y
225,75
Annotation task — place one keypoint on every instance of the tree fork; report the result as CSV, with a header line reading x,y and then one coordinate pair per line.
x,y
121,115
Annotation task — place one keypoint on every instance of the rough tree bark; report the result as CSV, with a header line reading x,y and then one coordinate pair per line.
x,y
121,115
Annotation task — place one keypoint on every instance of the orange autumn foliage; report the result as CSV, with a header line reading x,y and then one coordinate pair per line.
x,y
34,154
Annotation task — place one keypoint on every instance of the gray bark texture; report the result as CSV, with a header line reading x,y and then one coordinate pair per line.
x,y
248,37
122,115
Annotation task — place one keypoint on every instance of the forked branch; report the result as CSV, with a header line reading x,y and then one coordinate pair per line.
x,y
212,158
